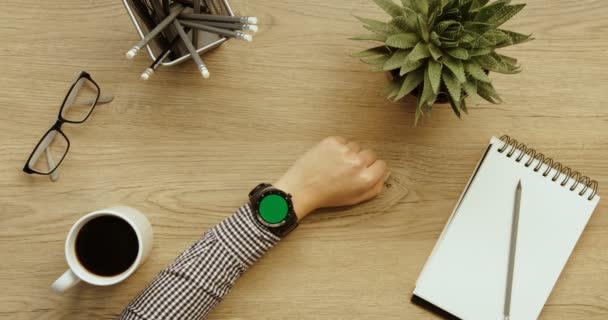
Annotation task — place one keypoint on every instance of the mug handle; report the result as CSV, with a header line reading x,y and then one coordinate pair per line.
x,y
67,280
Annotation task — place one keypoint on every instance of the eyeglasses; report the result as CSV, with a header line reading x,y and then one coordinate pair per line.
x,y
77,106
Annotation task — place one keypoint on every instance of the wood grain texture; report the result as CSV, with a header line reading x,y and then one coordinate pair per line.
x,y
185,151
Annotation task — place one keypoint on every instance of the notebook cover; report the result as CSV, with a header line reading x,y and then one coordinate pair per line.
x,y
433,308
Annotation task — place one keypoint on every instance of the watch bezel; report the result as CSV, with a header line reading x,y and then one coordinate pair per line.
x,y
270,190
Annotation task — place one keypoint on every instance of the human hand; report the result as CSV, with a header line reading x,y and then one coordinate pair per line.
x,y
333,173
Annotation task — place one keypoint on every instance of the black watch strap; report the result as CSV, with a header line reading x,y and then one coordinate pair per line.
x,y
278,228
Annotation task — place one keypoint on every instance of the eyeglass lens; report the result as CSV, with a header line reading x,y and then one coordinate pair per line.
x,y
80,101
49,152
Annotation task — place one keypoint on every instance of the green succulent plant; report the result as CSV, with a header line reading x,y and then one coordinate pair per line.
x,y
436,48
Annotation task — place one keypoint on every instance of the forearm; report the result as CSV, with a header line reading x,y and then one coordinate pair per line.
x,y
333,173
197,280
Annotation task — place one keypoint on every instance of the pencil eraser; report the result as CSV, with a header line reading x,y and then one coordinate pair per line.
x,y
252,20
131,53
146,75
247,37
205,73
251,27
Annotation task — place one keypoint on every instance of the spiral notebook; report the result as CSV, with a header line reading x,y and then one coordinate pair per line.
x,y
465,276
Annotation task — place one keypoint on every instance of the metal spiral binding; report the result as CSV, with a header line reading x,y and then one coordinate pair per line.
x,y
514,146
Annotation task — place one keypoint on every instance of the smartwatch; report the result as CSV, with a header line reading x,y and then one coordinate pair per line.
x,y
273,209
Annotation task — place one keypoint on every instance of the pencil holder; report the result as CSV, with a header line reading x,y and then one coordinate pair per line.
x,y
206,41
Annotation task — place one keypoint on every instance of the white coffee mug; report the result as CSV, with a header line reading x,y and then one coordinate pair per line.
x,y
77,271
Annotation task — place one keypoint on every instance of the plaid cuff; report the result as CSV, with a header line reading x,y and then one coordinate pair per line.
x,y
244,238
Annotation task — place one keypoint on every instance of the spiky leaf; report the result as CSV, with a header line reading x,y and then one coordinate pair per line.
x,y
392,88
412,80
442,26
434,73
455,107
473,68
420,51
467,39
421,6
452,84
402,40
409,66
373,37
432,18
470,87
489,11
507,59
486,91
463,106
504,14
478,27
418,111
456,67
389,6
406,22
396,60
514,38
449,44
496,63
371,52
458,53
435,52
466,7
377,60
425,97
423,30
438,5
479,52
376,26
399,23
476,4
435,39
377,68
491,39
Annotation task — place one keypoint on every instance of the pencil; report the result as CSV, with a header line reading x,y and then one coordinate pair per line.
x,y
230,26
201,66
161,57
214,7
221,32
196,9
512,250
218,18
187,3
166,7
160,27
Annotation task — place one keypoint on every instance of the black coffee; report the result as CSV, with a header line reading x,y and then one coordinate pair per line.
x,y
107,245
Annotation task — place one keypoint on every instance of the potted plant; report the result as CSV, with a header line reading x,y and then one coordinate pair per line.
x,y
442,50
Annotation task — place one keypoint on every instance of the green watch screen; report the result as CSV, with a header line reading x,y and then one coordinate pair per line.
x,y
273,208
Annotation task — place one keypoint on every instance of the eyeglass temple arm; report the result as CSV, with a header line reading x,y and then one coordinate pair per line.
x,y
103,98
51,163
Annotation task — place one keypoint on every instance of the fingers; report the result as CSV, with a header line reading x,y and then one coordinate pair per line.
x,y
376,172
368,157
353,146
374,190
336,139
379,172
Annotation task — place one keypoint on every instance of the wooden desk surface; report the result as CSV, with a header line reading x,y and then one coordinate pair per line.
x,y
185,151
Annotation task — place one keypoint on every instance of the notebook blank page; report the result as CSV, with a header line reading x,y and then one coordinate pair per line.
x,y
466,275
